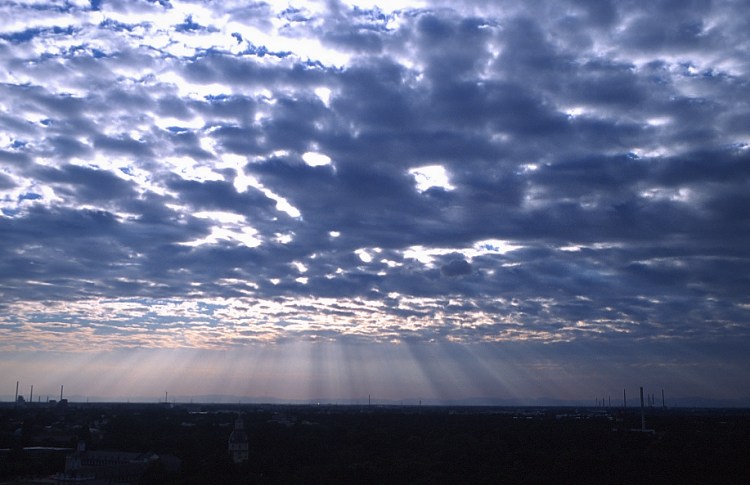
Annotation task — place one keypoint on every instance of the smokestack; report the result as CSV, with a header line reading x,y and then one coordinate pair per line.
x,y
16,399
663,405
624,399
31,394
61,389
643,417
368,400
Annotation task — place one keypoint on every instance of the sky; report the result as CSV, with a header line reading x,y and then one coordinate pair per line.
x,y
512,201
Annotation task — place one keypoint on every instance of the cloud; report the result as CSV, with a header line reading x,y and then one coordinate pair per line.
x,y
159,153
456,267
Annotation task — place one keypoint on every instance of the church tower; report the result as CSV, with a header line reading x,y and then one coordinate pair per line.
x,y
238,443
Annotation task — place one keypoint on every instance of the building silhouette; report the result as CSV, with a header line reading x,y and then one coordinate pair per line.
x,y
106,467
238,443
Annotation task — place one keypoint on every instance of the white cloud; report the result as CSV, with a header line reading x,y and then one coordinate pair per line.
x,y
324,93
315,159
364,255
431,176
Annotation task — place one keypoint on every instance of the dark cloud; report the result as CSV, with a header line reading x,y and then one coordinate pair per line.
x,y
355,29
607,142
456,267
6,182
122,145
68,147
8,156
215,195
87,185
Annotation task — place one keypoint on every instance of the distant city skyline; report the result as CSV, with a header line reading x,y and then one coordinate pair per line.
x,y
514,201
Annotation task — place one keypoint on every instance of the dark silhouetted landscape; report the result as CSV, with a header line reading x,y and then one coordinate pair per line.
x,y
378,444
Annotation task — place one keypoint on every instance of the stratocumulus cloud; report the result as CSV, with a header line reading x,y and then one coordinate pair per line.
x,y
209,175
